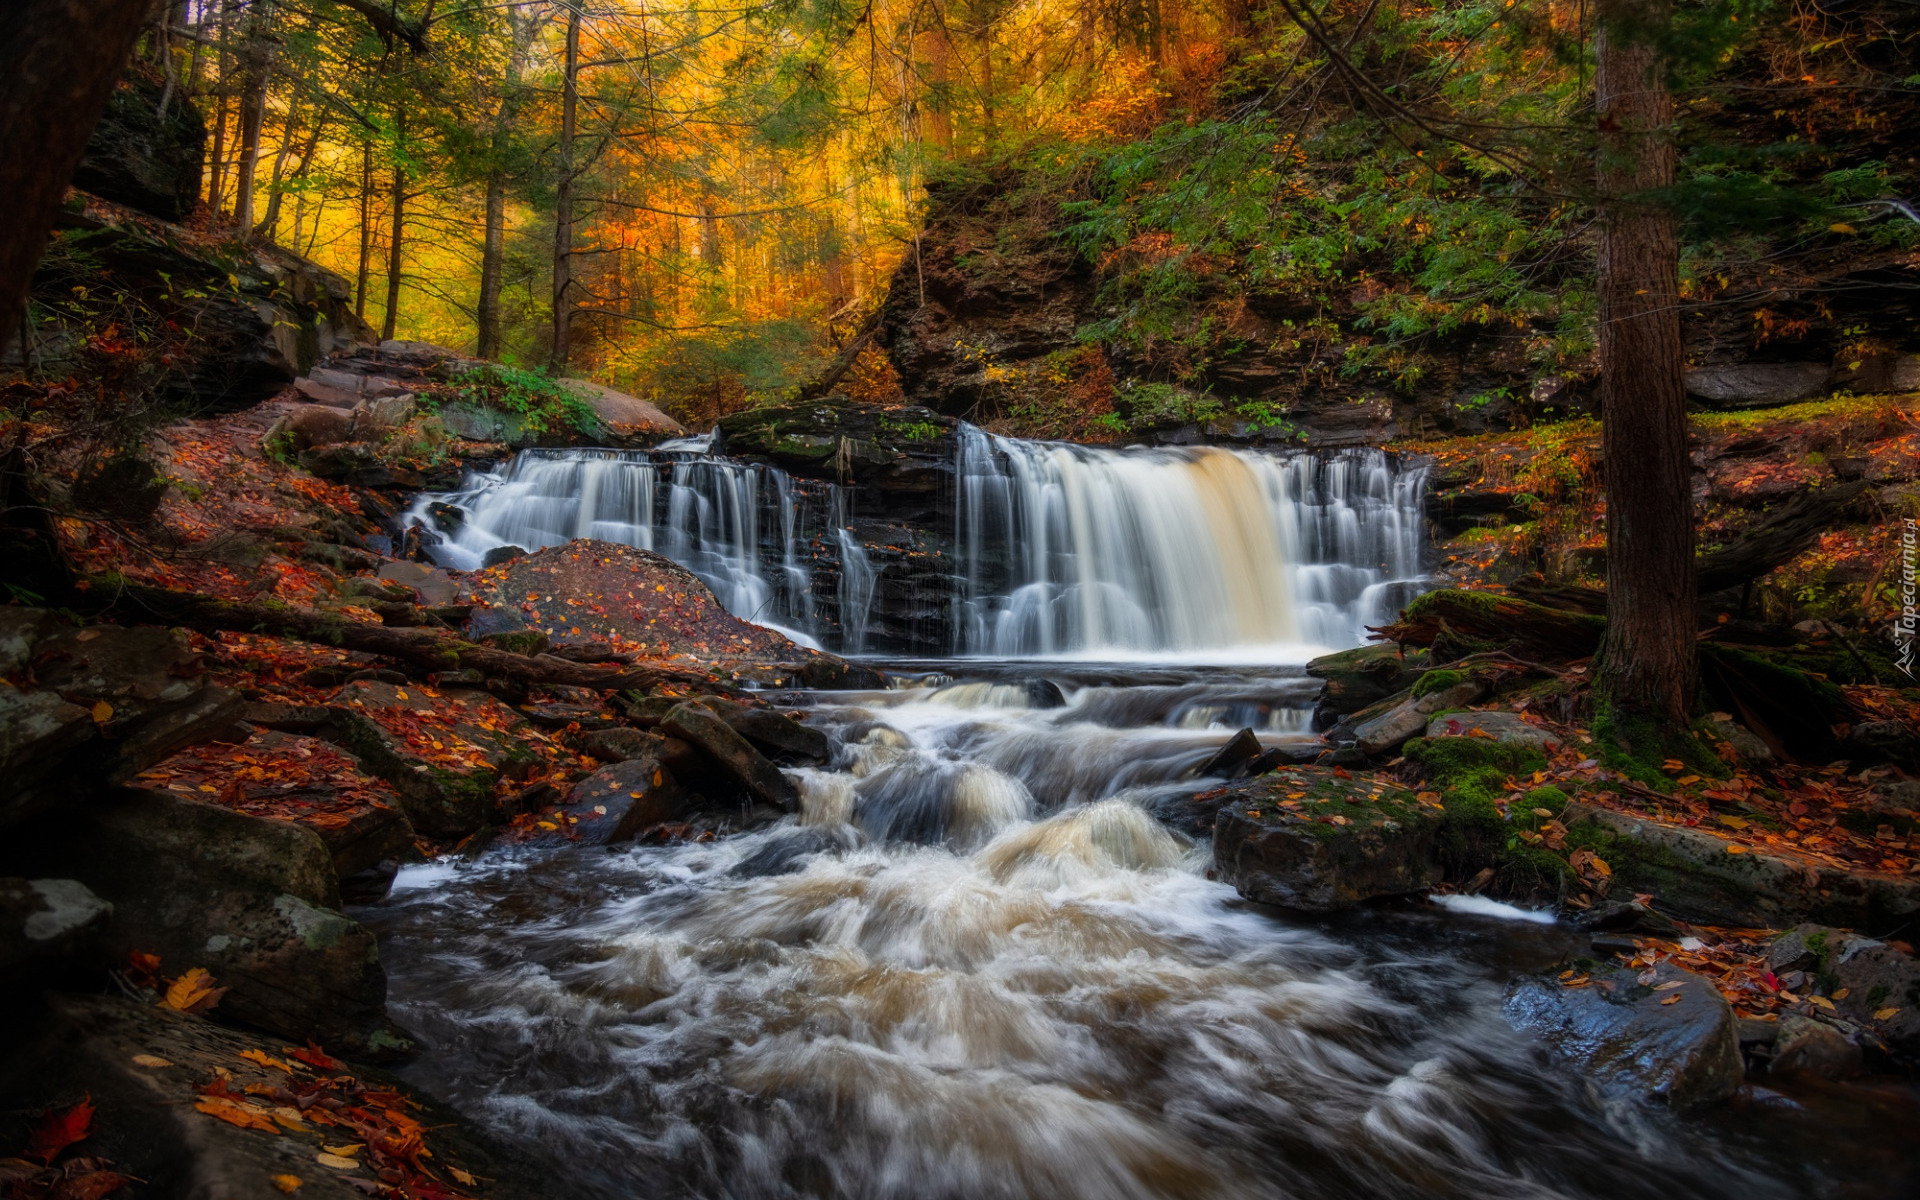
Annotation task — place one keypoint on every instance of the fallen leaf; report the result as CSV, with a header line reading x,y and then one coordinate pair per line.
x,y
152,1062
1883,1013
1735,848
315,1057
265,1060
102,712
1670,984
1842,994
90,1186
1673,999
462,1177
287,1183
346,1151
336,1162
235,1113
193,992
56,1131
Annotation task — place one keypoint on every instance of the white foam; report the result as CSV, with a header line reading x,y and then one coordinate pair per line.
x,y
1480,906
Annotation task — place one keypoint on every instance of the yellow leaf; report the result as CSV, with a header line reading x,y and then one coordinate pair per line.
x,y
1685,779
1673,999
336,1162
1884,1013
1542,812
462,1177
1822,1001
289,1117
287,1183
152,1062
1734,822
346,1151
234,1113
193,988
1842,994
1735,848
102,712
1671,984
1600,865
1840,227
265,1060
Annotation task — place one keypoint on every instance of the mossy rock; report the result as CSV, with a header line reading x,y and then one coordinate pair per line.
x,y
1471,776
1310,839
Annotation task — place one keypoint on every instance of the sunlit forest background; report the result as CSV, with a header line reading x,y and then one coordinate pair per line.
x,y
699,204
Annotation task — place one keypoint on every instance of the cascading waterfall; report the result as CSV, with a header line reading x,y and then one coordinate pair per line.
x,y
1060,550
1073,550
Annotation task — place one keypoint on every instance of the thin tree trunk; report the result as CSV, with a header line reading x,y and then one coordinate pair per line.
x,y
366,227
253,115
389,324
494,248
217,176
271,220
563,202
1648,666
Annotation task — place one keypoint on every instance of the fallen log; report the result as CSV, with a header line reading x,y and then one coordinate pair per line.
x,y
1490,619
421,647
1785,534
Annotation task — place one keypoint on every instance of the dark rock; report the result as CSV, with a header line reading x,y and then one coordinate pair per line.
x,y
433,584
39,732
140,1063
250,899
898,450
618,802
373,721
1387,726
1043,693
1757,385
733,754
1805,1046
501,554
562,716
1883,741
1232,760
779,737
142,157
448,517
1862,977
788,850
45,918
1633,1036
1343,843
620,744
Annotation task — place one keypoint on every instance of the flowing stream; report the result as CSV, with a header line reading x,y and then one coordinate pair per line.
x,y
977,964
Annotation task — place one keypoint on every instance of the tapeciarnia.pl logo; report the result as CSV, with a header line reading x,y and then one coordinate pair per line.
x,y
1903,629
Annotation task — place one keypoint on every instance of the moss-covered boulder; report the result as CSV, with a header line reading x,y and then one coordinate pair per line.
x,y
1320,840
895,449
1353,679
1473,777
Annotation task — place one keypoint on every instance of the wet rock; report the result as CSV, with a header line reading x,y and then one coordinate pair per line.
x,y
501,554
899,449
1381,729
1804,1046
143,157
1043,693
1233,760
140,1064
618,802
776,735
433,584
1353,679
1507,728
1341,843
733,754
1757,385
1630,1033
1697,880
44,918
787,851
1869,982
250,899
306,428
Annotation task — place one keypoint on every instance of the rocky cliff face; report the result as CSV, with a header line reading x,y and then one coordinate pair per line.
x,y
986,316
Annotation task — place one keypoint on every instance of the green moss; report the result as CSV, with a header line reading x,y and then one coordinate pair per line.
x,y
1437,681
1471,776
1637,745
523,641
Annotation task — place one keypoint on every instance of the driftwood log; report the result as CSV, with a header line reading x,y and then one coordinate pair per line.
x,y
1490,618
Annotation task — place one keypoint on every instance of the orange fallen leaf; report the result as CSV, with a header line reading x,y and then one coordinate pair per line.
x,y
234,1113
265,1060
315,1057
193,992
1673,999
56,1131
288,1184
91,1186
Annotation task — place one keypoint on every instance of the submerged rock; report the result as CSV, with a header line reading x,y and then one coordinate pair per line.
x,y
1804,1046
1340,842
1664,1035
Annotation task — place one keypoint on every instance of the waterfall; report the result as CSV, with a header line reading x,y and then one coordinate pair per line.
x,y
1058,550
742,528
1074,550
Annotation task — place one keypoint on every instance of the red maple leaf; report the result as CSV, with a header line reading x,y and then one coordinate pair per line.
x,y
55,1131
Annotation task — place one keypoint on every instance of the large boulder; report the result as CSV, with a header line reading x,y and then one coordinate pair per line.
x,y
624,420
898,450
1319,840
1757,385
1663,1035
143,155
1353,679
618,802
774,734
733,754
250,899
1507,728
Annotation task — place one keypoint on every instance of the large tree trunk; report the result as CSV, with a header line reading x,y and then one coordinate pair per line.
x,y
1648,665
563,202
59,60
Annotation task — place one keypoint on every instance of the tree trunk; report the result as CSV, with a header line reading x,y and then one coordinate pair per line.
x,y
563,202
366,227
217,162
396,228
1648,665
58,64
271,219
487,312
253,115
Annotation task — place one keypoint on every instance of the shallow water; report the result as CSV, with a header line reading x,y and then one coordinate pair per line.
x,y
976,966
